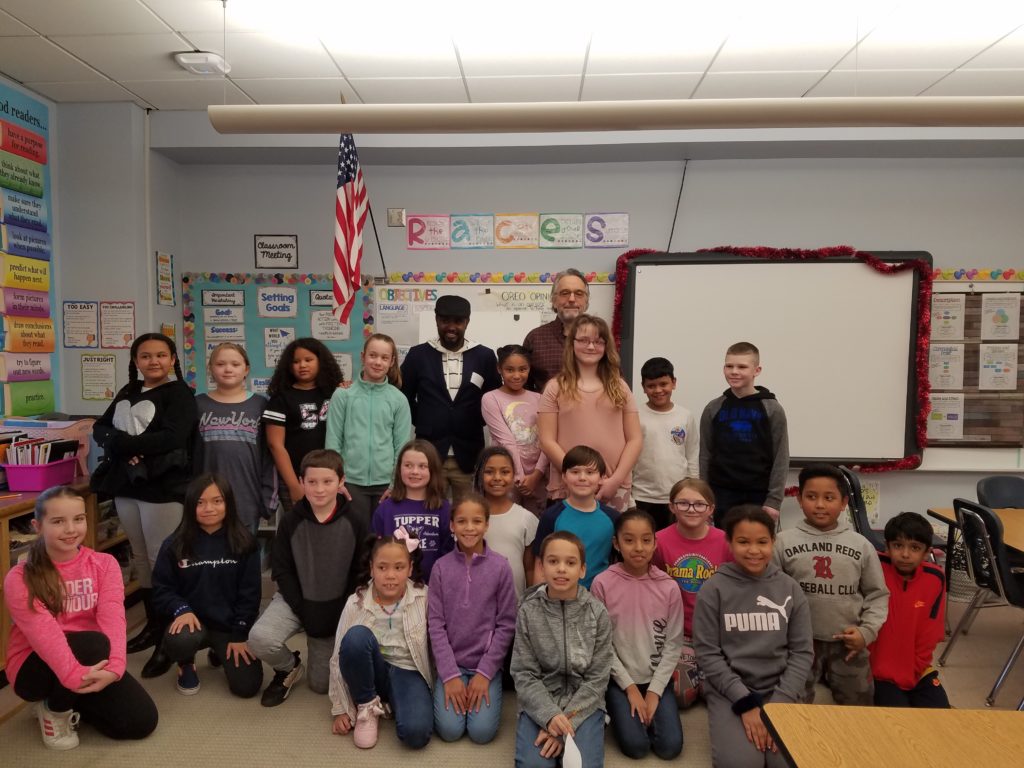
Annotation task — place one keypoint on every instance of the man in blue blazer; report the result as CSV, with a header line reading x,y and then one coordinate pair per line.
x,y
444,379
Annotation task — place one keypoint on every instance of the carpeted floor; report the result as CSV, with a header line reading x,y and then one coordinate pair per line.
x,y
214,729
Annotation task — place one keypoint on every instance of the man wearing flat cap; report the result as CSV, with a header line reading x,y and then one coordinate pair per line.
x,y
444,379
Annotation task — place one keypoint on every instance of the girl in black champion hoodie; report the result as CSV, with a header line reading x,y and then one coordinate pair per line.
x,y
752,635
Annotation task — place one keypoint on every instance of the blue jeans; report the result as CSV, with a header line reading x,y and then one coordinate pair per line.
x,y
664,736
482,726
589,738
368,675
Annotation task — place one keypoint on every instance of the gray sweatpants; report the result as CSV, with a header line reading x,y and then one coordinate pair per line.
x,y
730,747
147,524
269,636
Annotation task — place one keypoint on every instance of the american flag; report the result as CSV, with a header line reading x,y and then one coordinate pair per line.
x,y
349,216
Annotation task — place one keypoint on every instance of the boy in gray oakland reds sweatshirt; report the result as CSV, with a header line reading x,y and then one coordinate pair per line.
x,y
840,574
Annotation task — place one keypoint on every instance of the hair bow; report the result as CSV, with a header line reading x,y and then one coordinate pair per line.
x,y
411,543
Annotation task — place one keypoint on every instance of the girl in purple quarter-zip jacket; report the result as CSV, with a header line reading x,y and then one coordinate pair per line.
x,y
471,619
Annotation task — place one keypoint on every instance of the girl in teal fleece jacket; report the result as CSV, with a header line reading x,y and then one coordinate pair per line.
x,y
368,423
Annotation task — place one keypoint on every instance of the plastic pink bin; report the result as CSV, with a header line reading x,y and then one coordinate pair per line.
x,y
39,477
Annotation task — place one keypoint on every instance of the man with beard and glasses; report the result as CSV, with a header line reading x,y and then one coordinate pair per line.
x,y
570,296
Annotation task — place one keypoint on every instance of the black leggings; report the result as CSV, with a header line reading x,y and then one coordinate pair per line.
x,y
122,710
244,681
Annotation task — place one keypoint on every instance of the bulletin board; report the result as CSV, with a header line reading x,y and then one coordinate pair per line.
x,y
838,340
975,369
263,313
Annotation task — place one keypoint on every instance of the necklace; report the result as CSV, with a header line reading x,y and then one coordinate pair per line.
x,y
389,611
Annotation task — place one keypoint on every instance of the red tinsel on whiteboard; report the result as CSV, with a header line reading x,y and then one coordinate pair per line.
x,y
924,316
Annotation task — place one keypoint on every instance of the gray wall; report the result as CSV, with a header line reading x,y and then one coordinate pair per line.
x,y
966,211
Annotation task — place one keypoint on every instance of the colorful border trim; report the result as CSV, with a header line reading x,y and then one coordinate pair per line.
x,y
978,275
490,277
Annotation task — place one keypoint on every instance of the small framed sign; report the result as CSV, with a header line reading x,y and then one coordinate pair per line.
x,y
276,251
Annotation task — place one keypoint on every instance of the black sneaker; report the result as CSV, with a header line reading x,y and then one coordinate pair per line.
x,y
213,659
281,685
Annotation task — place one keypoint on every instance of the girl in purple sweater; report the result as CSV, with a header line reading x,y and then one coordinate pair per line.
x,y
471,619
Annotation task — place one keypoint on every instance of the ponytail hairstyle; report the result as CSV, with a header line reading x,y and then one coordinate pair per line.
x,y
134,382
370,548
42,580
505,352
607,369
486,455
240,540
394,372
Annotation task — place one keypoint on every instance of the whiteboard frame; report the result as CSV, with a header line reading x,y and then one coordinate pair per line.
x,y
910,404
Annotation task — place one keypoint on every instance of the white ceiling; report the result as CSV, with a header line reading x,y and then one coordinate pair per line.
x,y
316,51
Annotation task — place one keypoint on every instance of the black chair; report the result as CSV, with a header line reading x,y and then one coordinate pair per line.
x,y
1001,491
989,567
859,511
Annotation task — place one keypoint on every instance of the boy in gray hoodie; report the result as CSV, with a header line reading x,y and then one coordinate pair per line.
x,y
840,574
752,636
561,660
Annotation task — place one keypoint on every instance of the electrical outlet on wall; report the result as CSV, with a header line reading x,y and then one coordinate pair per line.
x,y
396,217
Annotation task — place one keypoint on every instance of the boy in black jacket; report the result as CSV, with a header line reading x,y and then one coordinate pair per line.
x,y
315,556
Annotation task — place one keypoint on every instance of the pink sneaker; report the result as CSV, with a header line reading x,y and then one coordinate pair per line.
x,y
364,735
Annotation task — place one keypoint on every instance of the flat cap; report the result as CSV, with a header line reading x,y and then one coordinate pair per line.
x,y
452,306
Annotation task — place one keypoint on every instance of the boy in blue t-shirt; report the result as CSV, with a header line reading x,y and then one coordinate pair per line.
x,y
582,470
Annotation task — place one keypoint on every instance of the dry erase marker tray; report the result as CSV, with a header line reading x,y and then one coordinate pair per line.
x,y
39,477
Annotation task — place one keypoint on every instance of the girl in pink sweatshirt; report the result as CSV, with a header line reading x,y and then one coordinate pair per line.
x,y
646,611
66,649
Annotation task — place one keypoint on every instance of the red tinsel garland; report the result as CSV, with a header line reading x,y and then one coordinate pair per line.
x,y
924,319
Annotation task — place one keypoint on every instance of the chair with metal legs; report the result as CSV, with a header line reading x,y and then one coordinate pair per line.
x,y
989,567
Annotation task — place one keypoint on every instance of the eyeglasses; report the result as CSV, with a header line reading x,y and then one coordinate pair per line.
x,y
686,506
565,294
596,343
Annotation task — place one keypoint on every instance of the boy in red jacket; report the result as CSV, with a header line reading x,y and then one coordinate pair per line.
x,y
901,656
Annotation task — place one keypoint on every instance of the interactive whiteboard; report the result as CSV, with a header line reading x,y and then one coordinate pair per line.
x,y
837,341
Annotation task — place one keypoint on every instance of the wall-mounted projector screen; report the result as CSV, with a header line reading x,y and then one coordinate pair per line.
x,y
837,341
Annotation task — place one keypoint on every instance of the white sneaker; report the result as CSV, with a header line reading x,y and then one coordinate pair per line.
x,y
58,727
364,735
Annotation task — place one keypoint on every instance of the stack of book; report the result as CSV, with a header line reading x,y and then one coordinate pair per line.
x,y
38,450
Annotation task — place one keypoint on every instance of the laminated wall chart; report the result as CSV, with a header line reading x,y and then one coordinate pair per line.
x,y
976,376
264,312
28,340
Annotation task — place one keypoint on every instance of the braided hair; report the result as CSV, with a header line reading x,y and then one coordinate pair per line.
x,y
134,382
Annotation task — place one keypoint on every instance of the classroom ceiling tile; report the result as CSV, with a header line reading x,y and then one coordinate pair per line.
x,y
980,82
203,15
104,90
541,50
95,17
409,56
946,41
903,82
508,89
639,86
11,27
37,60
1008,53
260,55
188,94
773,42
129,57
636,46
756,85
323,90
409,90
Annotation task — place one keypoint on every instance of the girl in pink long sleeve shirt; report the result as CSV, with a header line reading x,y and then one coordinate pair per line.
x,y
66,649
